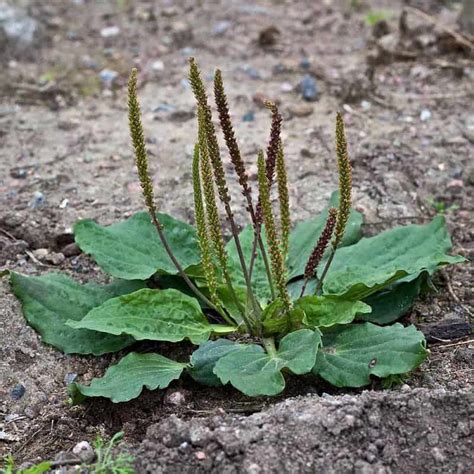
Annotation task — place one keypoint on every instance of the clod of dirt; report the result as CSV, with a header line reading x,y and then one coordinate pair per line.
x,y
268,36
376,432
446,329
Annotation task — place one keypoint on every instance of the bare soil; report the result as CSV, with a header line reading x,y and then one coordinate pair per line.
x,y
65,155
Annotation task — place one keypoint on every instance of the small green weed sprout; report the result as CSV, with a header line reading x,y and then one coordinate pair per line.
x,y
309,297
107,461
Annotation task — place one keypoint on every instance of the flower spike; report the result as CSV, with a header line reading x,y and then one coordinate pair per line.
x,y
284,198
318,251
212,145
212,212
276,257
202,231
345,193
345,180
229,135
272,150
138,141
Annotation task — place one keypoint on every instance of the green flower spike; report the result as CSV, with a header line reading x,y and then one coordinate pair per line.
x,y
202,231
284,198
276,257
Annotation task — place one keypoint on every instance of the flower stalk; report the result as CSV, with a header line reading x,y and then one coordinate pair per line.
x,y
219,174
212,212
345,194
239,166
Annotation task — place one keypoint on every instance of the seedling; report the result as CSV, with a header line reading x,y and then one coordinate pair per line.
x,y
276,298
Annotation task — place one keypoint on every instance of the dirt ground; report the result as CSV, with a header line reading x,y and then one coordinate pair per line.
x,y
405,88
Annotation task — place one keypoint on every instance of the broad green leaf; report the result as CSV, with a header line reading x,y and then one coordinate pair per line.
x,y
393,302
156,315
298,349
276,320
326,311
305,235
131,249
351,354
374,263
254,372
49,301
259,276
124,381
205,357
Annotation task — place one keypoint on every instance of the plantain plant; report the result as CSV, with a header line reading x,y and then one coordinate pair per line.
x,y
316,298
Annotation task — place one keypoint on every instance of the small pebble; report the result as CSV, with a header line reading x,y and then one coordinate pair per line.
x,y
108,76
308,88
300,110
40,254
17,391
55,258
286,87
70,377
252,72
64,203
71,250
200,455
221,27
305,63
438,455
175,398
18,173
249,117
84,452
456,183
110,31
38,200
425,115
158,66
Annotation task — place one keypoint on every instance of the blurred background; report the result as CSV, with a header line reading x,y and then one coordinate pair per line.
x,y
400,71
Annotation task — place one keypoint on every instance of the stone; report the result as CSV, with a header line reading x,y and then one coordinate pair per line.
x,y
308,88
300,110
84,451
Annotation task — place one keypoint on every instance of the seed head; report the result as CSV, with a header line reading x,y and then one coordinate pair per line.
x,y
284,198
211,138
272,150
202,230
228,130
212,212
276,257
323,241
345,180
138,141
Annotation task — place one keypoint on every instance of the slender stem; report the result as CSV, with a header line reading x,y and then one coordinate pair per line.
x,y
326,268
180,269
269,344
303,289
258,238
243,265
239,305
